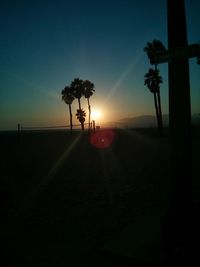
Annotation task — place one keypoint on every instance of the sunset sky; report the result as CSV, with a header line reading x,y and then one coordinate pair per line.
x,y
44,45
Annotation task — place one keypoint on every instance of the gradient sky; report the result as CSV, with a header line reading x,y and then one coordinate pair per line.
x,y
44,45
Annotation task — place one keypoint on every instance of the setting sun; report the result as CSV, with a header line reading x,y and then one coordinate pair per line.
x,y
96,114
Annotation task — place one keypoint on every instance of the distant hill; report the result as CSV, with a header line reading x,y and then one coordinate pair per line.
x,y
148,121
144,121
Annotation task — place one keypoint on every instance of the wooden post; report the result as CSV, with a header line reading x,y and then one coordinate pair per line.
x,y
180,125
94,127
179,105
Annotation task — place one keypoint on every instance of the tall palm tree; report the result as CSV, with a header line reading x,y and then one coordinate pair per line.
x,y
153,81
151,49
78,91
81,114
67,97
88,92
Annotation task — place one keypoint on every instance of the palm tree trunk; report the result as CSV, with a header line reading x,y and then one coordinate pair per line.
x,y
160,123
89,109
70,114
157,112
79,103
160,113
82,123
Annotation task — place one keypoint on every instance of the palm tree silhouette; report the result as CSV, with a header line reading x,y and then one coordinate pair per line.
x,y
153,81
88,92
152,49
78,91
81,114
67,97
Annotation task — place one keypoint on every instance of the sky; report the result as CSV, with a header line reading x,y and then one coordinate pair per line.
x,y
44,45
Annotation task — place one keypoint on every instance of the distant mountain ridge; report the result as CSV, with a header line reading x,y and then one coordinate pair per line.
x,y
149,121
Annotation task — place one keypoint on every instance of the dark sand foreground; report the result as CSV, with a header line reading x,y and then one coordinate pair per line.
x,y
63,200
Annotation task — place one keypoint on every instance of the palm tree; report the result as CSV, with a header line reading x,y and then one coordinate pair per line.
x,y
88,92
68,97
153,81
152,49
81,114
78,91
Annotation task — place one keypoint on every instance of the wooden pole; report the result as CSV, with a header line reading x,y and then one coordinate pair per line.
x,y
179,123
179,103
94,127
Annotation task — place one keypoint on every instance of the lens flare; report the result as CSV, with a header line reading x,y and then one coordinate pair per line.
x,y
102,138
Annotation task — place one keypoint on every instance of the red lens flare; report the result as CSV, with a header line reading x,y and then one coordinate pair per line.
x,y
102,138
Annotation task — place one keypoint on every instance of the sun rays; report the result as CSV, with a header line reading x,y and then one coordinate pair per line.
x,y
96,114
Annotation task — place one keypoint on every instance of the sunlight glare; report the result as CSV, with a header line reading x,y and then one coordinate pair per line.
x,y
96,114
